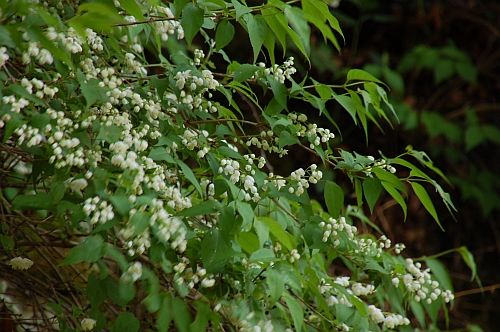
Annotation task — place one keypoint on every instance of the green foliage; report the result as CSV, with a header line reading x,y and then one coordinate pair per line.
x,y
132,146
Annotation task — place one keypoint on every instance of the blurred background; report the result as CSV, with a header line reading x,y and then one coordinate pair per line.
x,y
441,62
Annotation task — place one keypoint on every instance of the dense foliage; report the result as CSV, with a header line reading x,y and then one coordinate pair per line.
x,y
138,185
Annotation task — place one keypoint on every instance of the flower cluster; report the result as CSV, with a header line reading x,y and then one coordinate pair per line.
x,y
133,273
381,164
333,226
99,210
280,73
311,131
166,28
420,283
20,263
184,274
388,320
266,141
231,168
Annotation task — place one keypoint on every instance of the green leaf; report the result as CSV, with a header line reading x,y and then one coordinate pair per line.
x,y
161,154
396,195
246,212
202,316
188,173
257,30
240,9
473,137
277,23
206,207
191,21
372,189
348,104
132,8
440,273
121,204
296,18
96,291
388,177
296,311
57,191
276,284
164,316
92,92
426,201
126,292
248,242
361,75
5,38
224,34
40,201
126,322
216,251
90,251
244,72
469,260
334,198
182,318
285,138
7,242
278,232
262,255
110,134
418,311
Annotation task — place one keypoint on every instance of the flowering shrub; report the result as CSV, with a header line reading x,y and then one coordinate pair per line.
x,y
134,149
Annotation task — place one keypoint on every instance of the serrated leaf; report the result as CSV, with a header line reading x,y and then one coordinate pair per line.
x,y
334,198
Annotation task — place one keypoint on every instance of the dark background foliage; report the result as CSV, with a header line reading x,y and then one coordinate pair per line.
x,y
418,48
441,61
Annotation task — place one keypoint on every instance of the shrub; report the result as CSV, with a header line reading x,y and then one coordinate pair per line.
x,y
138,190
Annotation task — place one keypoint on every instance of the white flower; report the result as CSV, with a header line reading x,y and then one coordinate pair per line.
x,y
207,283
88,324
20,263
78,185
